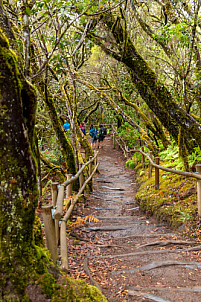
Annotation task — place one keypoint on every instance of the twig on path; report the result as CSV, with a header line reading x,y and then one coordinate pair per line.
x,y
86,269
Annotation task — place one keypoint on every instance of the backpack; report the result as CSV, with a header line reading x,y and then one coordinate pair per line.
x,y
103,132
93,133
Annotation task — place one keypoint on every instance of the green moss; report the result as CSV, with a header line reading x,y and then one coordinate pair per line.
x,y
175,202
47,284
182,149
77,291
37,232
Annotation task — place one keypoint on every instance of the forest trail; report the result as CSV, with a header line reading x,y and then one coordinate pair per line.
x,y
130,256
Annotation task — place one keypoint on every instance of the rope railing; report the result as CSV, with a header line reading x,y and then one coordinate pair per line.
x,y
55,225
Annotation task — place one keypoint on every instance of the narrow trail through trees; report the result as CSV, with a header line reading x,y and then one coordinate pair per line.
x,y
128,255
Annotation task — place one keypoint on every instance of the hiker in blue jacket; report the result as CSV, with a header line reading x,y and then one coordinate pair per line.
x,y
66,126
94,136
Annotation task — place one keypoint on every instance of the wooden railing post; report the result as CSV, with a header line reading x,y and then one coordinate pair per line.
x,y
81,177
50,231
113,140
90,166
150,165
143,158
69,187
135,149
90,172
156,174
96,159
54,193
59,211
198,169
64,250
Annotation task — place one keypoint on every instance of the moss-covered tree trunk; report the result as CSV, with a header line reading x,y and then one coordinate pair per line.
x,y
66,147
18,173
152,90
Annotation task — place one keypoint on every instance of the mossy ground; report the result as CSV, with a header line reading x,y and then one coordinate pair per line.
x,y
175,202
54,284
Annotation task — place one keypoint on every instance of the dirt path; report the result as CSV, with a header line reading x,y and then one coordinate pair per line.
x,y
128,255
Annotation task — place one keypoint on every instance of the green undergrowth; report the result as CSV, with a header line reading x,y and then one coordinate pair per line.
x,y
175,202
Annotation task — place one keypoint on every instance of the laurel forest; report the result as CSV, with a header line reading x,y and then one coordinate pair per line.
x,y
134,64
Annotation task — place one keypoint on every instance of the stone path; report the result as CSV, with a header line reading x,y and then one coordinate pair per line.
x,y
131,256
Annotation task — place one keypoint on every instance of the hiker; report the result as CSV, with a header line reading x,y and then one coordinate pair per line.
x,y
101,135
82,127
66,126
94,136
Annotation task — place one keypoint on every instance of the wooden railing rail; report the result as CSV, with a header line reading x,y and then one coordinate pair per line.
x,y
59,211
55,234
196,175
64,254
187,174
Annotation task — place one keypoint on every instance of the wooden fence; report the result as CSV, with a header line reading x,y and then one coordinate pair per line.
x,y
155,164
54,220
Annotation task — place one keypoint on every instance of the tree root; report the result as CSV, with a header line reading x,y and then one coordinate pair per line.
x,y
168,242
196,289
160,264
198,248
146,295
73,234
141,236
86,269
140,253
107,229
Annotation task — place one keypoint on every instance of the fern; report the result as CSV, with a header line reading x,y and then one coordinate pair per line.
x,y
82,221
